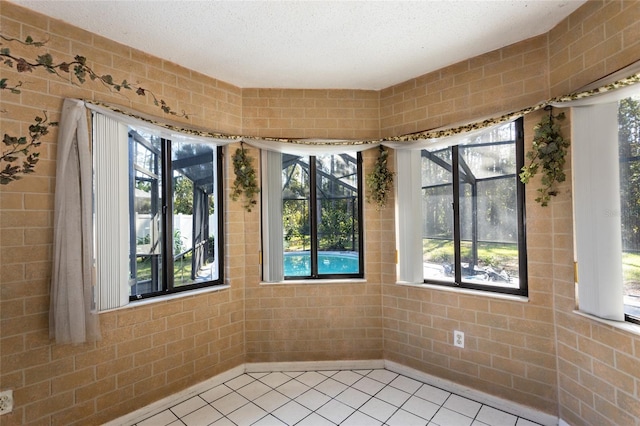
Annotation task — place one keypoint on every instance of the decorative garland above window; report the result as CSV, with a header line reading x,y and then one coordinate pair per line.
x,y
20,154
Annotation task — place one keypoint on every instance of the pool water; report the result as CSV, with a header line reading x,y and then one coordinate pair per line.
x,y
298,264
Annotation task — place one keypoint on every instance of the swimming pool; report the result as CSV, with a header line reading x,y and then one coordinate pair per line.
x,y
298,263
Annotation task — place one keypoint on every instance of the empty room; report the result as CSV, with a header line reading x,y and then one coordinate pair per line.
x,y
320,213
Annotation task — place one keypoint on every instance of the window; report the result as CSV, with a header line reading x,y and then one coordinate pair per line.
x,y
321,216
173,223
629,152
158,213
473,213
606,173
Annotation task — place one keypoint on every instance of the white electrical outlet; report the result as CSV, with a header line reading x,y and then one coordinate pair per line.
x,y
6,402
458,338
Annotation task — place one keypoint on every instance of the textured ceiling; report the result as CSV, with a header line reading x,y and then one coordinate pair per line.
x,y
312,44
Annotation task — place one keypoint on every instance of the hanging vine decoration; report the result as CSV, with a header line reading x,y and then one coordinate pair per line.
x,y
21,147
245,184
18,156
380,180
548,156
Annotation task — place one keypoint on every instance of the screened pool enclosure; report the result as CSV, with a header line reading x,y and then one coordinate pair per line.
x,y
321,216
473,222
173,223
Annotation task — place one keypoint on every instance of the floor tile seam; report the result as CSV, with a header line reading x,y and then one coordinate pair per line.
x,y
384,422
334,398
410,395
312,412
283,421
370,396
324,417
365,402
313,387
315,411
364,414
475,417
193,411
289,399
271,388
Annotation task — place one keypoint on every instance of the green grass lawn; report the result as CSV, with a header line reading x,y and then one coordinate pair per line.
x,y
497,255
181,269
631,266
506,255
631,273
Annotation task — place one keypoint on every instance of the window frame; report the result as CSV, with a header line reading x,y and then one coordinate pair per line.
x,y
314,223
596,210
458,282
113,209
628,317
167,228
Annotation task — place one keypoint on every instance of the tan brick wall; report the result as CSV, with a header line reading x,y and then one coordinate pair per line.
x,y
329,321
151,351
509,345
146,352
343,114
501,81
599,378
512,349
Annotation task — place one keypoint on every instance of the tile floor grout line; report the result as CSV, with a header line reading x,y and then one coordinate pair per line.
x,y
232,388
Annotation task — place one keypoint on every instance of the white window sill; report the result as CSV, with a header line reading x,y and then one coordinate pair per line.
x,y
620,325
314,281
467,291
172,296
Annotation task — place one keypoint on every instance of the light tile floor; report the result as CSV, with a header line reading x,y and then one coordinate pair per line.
x,y
318,398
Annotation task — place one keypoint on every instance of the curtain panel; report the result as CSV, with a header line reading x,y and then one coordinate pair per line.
x,y
73,318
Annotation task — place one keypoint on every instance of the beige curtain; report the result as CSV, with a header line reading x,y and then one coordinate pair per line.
x,y
72,317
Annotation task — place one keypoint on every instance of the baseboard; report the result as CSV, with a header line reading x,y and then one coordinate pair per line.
x,y
263,367
168,402
484,398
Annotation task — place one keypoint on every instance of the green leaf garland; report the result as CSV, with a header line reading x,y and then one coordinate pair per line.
x,y
19,155
245,184
380,180
547,155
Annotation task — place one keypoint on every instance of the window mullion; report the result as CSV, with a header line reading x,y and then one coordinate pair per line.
x,y
520,194
167,217
133,264
360,211
313,219
455,165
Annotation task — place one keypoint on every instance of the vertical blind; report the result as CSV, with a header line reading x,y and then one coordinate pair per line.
x,y
596,197
273,246
111,156
409,216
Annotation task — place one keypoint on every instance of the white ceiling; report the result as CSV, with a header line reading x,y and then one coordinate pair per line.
x,y
312,44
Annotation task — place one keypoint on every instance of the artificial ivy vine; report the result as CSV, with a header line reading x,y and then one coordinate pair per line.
x,y
245,184
19,155
380,180
548,156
